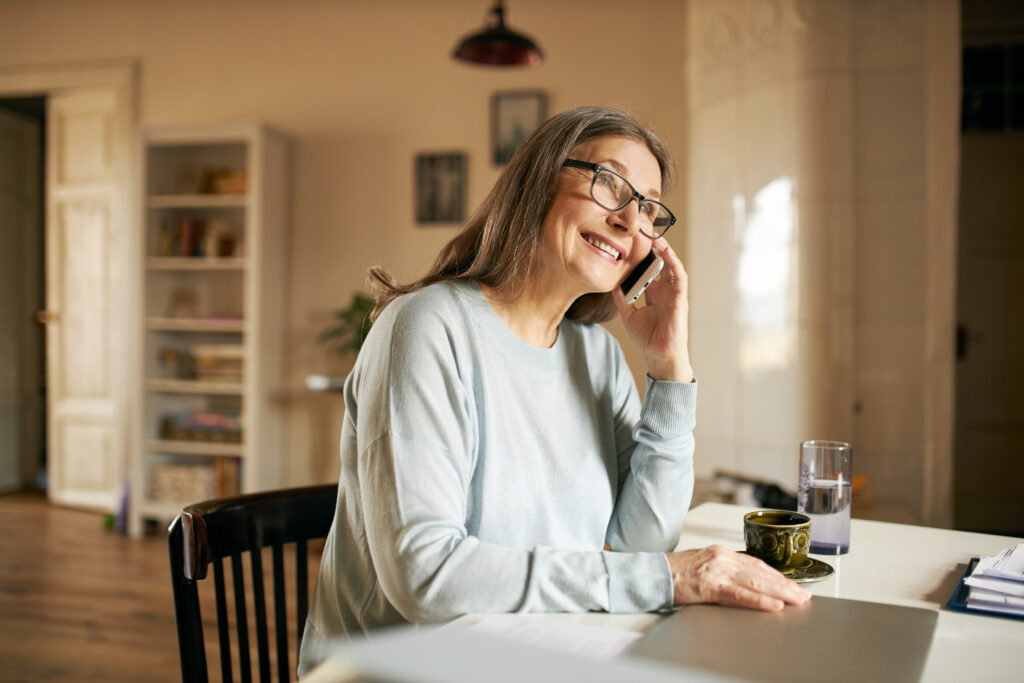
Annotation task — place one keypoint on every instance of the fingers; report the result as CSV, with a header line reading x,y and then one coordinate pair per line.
x,y
718,575
744,597
674,268
769,585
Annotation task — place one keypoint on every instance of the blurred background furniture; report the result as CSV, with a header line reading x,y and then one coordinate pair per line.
x,y
215,228
242,529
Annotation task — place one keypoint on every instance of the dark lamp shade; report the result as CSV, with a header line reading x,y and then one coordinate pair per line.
x,y
498,46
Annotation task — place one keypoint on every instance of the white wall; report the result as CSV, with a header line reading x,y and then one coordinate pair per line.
x,y
360,87
822,239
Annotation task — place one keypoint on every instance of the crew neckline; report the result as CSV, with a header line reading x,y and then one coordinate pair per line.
x,y
499,333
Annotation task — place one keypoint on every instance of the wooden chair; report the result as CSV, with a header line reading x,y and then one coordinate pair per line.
x,y
208,533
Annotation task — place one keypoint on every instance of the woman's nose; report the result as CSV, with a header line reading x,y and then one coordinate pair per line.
x,y
628,217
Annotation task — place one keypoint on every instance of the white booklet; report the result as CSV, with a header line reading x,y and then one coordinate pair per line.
x,y
997,583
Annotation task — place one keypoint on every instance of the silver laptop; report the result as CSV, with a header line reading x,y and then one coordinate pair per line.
x,y
828,639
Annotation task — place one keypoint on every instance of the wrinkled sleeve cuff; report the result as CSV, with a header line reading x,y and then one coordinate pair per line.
x,y
638,582
670,408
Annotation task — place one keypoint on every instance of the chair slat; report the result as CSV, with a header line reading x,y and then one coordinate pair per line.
x,y
280,615
301,592
223,630
259,603
241,621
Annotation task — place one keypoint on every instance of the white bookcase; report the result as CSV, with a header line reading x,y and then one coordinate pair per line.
x,y
214,276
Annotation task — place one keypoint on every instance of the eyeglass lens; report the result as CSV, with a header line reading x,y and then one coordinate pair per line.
x,y
612,192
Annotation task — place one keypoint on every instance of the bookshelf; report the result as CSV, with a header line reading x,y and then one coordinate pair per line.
x,y
214,230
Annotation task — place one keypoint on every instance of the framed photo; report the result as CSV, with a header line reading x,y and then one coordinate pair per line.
x,y
440,188
514,115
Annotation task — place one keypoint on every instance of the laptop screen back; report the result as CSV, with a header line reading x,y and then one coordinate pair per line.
x,y
828,639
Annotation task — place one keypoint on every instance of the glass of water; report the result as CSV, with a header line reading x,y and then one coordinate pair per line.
x,y
824,494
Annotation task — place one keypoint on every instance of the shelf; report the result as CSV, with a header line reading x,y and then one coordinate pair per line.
x,y
195,263
195,298
196,324
233,450
197,201
187,386
160,510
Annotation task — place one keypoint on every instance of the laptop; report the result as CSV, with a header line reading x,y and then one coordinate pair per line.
x,y
827,639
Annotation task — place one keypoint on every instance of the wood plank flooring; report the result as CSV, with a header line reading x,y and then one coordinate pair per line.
x,y
81,603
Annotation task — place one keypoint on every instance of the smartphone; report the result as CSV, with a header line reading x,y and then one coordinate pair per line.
x,y
641,276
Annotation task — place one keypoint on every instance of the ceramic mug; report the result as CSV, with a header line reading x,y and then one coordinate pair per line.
x,y
779,537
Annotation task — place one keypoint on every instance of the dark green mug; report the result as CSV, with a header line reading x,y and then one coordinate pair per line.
x,y
779,537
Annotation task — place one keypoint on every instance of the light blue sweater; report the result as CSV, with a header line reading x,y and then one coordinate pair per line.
x,y
482,474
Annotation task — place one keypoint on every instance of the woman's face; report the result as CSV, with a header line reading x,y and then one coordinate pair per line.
x,y
585,247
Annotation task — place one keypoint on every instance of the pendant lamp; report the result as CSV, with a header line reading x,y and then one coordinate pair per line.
x,y
496,45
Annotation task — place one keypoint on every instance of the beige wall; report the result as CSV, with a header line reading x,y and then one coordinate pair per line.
x,y
360,88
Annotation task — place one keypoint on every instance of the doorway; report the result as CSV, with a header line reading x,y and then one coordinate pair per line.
x,y
989,463
88,279
22,295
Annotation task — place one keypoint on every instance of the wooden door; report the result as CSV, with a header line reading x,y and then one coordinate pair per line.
x,y
86,330
19,233
990,372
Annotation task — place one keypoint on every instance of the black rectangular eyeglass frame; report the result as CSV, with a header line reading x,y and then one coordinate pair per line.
x,y
596,168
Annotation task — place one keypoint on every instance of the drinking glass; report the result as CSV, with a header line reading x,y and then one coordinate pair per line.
x,y
824,494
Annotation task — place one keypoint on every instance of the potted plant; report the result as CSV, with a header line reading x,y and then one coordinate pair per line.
x,y
350,326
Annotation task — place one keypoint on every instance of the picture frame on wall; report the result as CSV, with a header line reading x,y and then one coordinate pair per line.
x,y
514,115
440,188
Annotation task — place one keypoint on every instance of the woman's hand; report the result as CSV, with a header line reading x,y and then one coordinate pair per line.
x,y
659,328
718,575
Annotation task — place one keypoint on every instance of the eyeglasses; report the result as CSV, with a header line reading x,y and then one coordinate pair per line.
x,y
611,191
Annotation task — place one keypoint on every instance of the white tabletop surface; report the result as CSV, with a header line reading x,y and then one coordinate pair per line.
x,y
891,563
902,565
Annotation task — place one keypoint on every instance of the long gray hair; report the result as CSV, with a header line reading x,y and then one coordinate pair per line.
x,y
498,247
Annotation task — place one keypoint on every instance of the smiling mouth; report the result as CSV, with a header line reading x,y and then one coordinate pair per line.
x,y
603,246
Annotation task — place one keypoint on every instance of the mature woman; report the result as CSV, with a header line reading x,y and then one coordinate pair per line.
x,y
495,455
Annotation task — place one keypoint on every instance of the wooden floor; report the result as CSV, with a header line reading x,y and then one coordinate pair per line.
x,y
78,602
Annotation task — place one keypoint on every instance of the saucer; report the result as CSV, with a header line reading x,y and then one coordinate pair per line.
x,y
810,571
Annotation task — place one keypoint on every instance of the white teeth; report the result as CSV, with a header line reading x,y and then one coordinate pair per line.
x,y
607,248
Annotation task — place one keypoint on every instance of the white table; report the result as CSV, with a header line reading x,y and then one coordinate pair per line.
x,y
890,563
908,565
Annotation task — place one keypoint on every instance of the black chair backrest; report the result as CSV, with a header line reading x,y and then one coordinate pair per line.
x,y
205,534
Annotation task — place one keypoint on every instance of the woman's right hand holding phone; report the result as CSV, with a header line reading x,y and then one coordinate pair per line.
x,y
659,328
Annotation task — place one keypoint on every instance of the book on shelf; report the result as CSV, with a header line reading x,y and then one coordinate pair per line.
x,y
194,237
194,179
202,426
218,362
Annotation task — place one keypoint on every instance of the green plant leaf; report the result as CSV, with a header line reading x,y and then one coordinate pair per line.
x,y
347,334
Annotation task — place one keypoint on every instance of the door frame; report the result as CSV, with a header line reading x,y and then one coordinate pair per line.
x,y
122,76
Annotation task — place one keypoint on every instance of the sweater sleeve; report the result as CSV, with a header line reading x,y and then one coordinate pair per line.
x,y
415,474
655,463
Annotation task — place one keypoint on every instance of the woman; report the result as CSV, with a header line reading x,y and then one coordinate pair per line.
x,y
494,447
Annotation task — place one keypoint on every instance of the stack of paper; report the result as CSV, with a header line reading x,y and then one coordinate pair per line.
x,y
997,583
